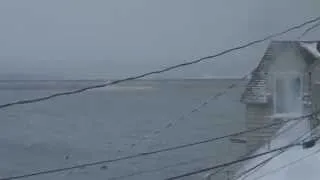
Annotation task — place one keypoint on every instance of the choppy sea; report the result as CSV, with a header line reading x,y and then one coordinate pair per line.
x,y
117,121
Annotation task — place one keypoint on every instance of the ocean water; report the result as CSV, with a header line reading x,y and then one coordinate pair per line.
x,y
117,121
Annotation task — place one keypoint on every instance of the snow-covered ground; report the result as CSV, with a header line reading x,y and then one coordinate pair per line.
x,y
295,163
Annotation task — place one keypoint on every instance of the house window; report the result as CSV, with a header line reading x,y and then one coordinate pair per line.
x,y
288,92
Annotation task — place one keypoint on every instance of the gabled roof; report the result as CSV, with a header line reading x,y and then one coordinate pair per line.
x,y
256,90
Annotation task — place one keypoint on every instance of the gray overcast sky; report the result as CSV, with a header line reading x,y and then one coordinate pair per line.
x,y
115,38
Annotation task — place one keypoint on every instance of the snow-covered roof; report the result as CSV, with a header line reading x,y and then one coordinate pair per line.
x,y
295,163
312,47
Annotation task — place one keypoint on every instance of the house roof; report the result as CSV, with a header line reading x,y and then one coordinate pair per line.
x,y
295,163
256,90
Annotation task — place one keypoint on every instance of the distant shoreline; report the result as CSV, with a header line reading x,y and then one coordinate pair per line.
x,y
104,80
79,84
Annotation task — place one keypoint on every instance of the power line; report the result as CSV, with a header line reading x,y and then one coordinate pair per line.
x,y
161,168
289,164
198,107
264,162
187,115
246,173
195,109
230,163
189,162
281,132
28,101
258,166
309,30
278,134
155,151
254,168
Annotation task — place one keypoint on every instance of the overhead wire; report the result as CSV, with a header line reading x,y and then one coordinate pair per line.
x,y
138,77
187,115
260,165
308,30
247,154
281,149
188,63
197,108
305,32
183,163
209,169
231,162
289,164
169,125
246,174
264,162
96,163
184,116
223,169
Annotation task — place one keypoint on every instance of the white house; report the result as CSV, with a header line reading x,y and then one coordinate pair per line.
x,y
283,85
